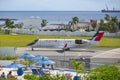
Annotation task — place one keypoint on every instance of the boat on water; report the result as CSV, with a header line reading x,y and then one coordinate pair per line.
x,y
110,10
113,9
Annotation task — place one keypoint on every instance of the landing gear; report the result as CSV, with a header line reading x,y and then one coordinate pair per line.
x,y
66,49
32,49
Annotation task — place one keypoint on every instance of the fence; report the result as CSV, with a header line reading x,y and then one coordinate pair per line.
x,y
64,33
6,51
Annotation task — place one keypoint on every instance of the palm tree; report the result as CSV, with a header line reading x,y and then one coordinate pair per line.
x,y
107,17
94,24
9,23
112,23
79,66
101,24
27,62
44,23
74,22
115,22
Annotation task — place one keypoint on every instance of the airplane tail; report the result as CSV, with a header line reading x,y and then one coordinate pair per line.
x,y
97,37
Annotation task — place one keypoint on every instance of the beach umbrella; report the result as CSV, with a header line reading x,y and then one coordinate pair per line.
x,y
40,57
44,58
26,55
37,57
50,62
15,65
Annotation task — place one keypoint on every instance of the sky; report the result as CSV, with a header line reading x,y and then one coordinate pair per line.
x,y
57,5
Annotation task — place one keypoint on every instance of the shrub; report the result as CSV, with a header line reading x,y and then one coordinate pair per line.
x,y
105,72
8,57
9,79
31,77
2,79
46,77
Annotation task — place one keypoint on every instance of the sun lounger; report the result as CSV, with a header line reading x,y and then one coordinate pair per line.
x,y
38,72
35,71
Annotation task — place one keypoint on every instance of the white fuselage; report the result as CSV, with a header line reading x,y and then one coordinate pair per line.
x,y
66,43
60,43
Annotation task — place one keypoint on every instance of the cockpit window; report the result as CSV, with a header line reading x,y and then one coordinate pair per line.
x,y
78,42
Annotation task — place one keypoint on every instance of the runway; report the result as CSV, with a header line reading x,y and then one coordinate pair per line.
x,y
62,59
56,52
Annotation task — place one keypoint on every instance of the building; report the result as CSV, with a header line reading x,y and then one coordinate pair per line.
x,y
82,26
54,27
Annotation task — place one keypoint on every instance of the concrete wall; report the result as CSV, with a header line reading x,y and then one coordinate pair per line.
x,y
65,33
7,51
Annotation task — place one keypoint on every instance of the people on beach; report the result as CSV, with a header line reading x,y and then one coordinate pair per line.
x,y
2,75
9,75
52,67
0,67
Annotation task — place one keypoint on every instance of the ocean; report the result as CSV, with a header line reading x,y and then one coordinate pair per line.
x,y
56,16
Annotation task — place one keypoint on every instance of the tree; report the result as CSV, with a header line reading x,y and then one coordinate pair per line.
x,y
94,24
44,23
107,17
27,62
112,23
79,66
115,22
105,72
74,22
9,23
119,24
101,23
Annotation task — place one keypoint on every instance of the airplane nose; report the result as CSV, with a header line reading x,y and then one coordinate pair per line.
x,y
32,43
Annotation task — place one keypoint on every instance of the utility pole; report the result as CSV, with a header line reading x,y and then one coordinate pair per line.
x,y
64,59
64,47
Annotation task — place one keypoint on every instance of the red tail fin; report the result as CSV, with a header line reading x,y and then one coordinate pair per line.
x,y
65,46
98,36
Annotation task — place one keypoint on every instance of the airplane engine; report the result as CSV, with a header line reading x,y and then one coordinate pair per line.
x,y
81,41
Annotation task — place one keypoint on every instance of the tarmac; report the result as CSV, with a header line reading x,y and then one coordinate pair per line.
x,y
96,55
56,52
108,57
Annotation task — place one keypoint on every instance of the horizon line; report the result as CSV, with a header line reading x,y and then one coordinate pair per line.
x,y
50,10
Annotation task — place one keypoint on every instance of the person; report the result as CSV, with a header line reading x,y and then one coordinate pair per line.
x,y
0,67
9,75
52,67
2,75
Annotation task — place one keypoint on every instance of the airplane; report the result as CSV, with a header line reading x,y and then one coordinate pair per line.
x,y
66,44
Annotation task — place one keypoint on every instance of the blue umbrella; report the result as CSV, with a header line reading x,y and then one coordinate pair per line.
x,y
40,57
37,57
44,58
45,62
26,55
15,65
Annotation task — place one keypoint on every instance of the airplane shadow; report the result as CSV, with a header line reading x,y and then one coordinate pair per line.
x,y
61,51
83,51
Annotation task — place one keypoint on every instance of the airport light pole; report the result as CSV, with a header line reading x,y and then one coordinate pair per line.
x,y
65,46
64,58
